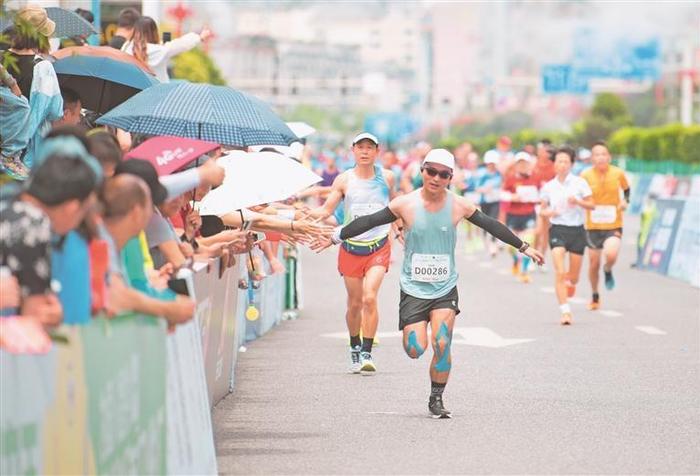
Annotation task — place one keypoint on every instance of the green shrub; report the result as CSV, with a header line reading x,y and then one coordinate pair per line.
x,y
690,145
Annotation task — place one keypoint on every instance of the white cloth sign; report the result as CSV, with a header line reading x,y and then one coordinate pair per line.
x,y
604,214
527,193
430,268
361,209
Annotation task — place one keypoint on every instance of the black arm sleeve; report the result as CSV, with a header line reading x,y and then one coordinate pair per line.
x,y
496,228
367,222
627,193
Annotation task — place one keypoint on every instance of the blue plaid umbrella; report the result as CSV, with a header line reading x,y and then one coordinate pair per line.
x,y
201,111
102,83
69,23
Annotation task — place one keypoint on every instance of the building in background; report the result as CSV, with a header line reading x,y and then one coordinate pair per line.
x,y
434,61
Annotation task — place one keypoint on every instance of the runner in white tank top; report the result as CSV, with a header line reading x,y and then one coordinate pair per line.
x,y
364,260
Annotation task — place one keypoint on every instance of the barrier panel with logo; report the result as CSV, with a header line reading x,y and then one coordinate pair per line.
x,y
673,244
122,396
685,259
94,405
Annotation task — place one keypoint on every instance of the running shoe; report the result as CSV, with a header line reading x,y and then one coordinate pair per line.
x,y
355,364
609,280
436,407
515,269
525,278
566,319
593,305
367,362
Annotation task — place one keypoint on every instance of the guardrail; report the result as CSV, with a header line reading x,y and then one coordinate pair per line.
x,y
122,396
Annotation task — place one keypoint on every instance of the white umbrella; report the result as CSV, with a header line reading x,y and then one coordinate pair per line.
x,y
295,150
301,129
253,178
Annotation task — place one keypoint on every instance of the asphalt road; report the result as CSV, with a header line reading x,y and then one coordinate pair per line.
x,y
616,393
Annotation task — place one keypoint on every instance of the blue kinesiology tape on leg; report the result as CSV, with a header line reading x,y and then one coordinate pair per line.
x,y
443,364
413,344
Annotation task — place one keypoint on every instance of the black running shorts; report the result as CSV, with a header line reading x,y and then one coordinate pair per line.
x,y
571,238
596,238
413,309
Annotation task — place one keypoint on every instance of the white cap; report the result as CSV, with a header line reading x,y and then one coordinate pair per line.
x,y
492,157
440,156
522,155
365,135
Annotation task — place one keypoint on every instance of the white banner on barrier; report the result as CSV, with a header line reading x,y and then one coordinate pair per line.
x,y
190,438
685,260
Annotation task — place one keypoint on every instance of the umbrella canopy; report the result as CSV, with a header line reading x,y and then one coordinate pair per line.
x,y
168,154
102,83
301,129
69,23
201,111
255,178
294,151
101,51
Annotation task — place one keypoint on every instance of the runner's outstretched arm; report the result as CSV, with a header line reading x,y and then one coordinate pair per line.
x,y
503,233
365,223
495,228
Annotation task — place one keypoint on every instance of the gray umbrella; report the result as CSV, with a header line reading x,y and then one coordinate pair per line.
x,y
69,23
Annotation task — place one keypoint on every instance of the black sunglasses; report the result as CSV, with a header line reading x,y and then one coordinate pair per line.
x,y
443,174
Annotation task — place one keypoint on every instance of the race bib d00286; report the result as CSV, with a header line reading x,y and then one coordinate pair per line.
x,y
430,268
604,214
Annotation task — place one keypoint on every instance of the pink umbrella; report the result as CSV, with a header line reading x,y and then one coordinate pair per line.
x,y
168,153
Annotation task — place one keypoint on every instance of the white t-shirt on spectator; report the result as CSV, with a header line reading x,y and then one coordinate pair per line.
x,y
557,195
159,54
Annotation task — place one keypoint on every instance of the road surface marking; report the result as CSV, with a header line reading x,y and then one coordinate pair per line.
x,y
577,300
547,290
651,330
608,313
483,337
476,336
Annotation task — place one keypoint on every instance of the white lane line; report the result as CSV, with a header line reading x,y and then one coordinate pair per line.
x,y
651,330
608,313
577,300
547,290
486,264
503,272
383,413
476,336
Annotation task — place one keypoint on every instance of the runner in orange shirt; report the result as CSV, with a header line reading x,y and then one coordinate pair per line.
x,y
604,222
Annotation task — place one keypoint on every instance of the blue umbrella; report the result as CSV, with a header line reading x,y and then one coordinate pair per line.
x,y
69,23
201,111
102,83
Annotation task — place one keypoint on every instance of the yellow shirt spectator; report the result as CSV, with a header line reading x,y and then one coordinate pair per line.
x,y
606,189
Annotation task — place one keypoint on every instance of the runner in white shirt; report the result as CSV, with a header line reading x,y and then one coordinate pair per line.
x,y
564,199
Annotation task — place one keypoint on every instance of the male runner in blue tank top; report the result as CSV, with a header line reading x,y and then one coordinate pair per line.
x,y
364,260
428,277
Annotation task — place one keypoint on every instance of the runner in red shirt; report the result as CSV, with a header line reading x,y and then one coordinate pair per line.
x,y
521,190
